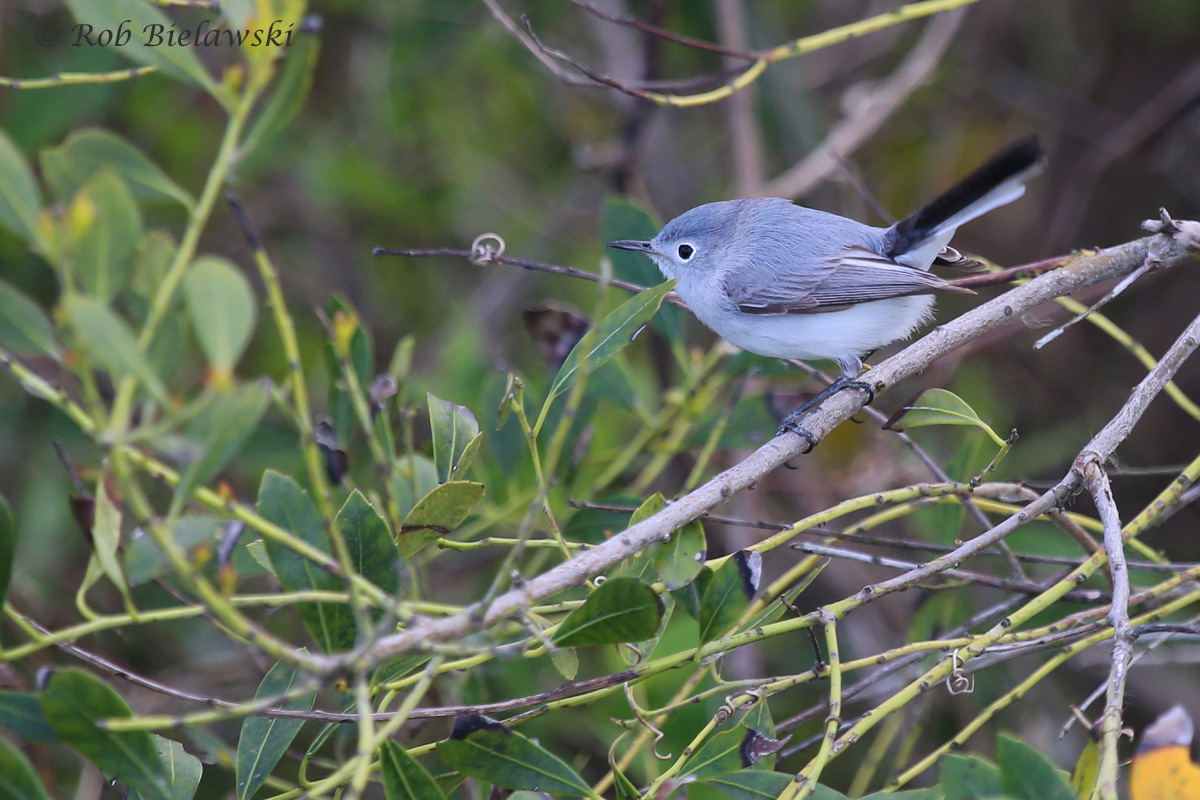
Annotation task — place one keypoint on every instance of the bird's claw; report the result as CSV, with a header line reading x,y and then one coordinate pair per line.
x,y
864,386
789,426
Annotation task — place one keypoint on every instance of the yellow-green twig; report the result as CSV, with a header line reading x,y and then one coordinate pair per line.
x,y
76,78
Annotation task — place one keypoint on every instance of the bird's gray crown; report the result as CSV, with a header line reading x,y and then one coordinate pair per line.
x,y
714,222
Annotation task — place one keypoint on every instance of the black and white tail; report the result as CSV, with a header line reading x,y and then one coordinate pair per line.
x,y
918,238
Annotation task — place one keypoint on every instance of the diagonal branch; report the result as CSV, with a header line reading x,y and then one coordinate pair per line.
x,y
1103,265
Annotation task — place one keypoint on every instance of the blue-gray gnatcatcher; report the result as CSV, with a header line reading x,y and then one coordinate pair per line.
x,y
785,281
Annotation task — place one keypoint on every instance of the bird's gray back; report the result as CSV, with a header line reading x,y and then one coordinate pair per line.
x,y
776,235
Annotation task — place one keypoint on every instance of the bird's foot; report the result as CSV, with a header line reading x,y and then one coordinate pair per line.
x,y
860,385
790,422
789,426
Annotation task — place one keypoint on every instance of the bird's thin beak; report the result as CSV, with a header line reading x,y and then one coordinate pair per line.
x,y
631,244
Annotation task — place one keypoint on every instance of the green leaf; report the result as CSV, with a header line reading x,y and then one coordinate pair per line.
x,y
932,793
758,722
689,596
221,305
756,784
654,504
945,520
610,337
969,778
332,729
372,548
103,254
1026,774
295,81
18,781
719,755
110,343
641,564
142,20
565,661
106,539
456,437
728,594
8,548
621,218
592,526
22,714
679,560
1087,769
183,769
20,203
413,477
625,788
403,776
437,514
144,561
89,151
152,262
24,328
165,351
939,407
482,748
619,610
258,551
397,668
282,501
220,429
73,701
264,740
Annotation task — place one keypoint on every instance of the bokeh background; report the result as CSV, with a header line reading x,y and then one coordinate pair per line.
x,y
429,124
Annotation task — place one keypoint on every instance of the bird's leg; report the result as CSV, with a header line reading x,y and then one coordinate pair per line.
x,y
789,422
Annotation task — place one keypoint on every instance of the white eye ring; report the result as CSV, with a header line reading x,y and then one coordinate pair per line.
x,y
685,251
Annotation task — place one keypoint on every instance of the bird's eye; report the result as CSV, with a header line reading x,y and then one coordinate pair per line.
x,y
685,251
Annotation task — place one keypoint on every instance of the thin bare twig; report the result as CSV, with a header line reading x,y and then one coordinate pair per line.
x,y
967,576
1022,272
538,266
668,35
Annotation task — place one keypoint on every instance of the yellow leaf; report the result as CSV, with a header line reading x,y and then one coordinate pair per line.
x,y
81,216
344,327
1162,766
1087,769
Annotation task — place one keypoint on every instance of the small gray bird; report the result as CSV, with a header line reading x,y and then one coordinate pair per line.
x,y
785,281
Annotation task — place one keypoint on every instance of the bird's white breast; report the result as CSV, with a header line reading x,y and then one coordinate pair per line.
x,y
846,334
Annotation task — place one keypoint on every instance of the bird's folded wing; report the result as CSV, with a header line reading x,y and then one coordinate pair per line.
x,y
856,276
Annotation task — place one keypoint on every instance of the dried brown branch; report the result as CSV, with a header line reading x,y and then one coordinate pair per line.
x,y
668,35
537,266
1019,273
730,84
